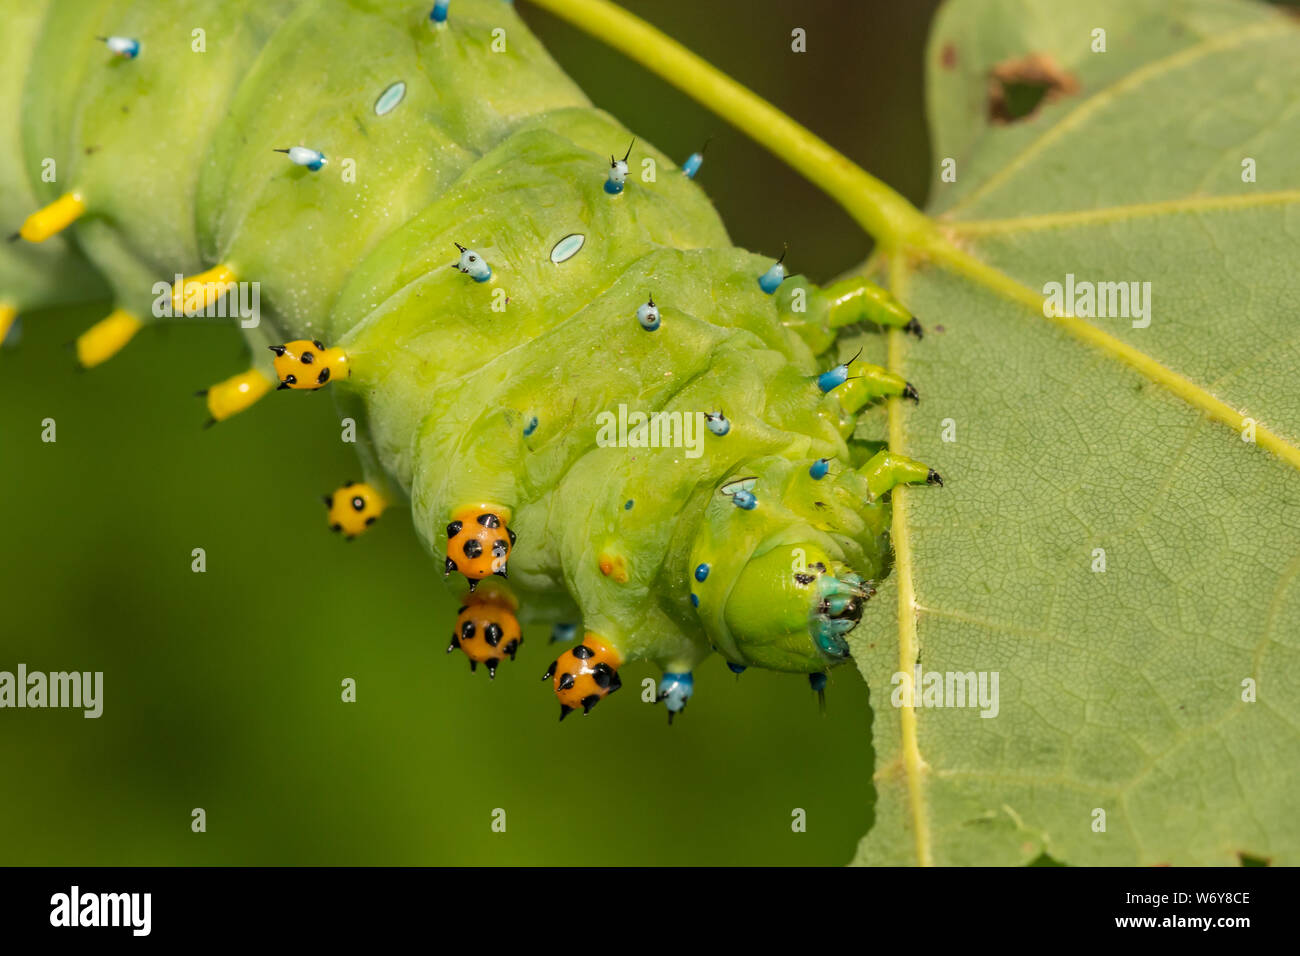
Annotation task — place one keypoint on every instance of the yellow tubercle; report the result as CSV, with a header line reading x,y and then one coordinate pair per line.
x,y
233,395
8,314
197,292
54,218
308,364
105,338
354,508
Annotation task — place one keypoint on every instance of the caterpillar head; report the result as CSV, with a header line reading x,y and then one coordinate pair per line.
x,y
791,608
771,575
308,364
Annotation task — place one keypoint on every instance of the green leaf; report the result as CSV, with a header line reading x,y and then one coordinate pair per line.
x,y
1120,690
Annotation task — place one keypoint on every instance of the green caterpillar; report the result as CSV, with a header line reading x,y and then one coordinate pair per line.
x,y
593,402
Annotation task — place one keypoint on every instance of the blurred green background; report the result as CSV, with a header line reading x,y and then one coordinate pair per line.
x,y
222,690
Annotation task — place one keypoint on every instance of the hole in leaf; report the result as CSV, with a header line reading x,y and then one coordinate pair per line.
x,y
1017,88
1248,860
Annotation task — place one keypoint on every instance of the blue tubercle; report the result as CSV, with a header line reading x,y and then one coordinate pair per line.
x,y
836,376
675,691
771,280
820,468
736,669
627,505
531,426
439,12
648,315
817,682
563,632
741,492
717,423
695,599
313,159
618,172
701,572
472,264
126,47
694,162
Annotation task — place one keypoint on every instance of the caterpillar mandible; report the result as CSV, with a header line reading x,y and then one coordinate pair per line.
x,y
601,413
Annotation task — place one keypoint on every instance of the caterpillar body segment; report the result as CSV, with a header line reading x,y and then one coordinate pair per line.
x,y
679,494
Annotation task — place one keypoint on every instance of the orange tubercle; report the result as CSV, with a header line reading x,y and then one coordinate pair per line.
x,y
585,674
479,542
614,567
487,630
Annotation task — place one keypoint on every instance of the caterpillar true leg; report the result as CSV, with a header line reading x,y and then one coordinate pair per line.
x,y
586,674
870,384
815,314
886,470
858,299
